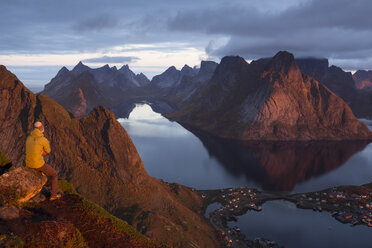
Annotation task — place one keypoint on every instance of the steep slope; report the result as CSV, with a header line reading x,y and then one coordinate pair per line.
x,y
97,156
71,221
269,101
363,79
342,83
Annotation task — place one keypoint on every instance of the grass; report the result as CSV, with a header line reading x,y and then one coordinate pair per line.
x,y
77,240
10,240
102,215
66,187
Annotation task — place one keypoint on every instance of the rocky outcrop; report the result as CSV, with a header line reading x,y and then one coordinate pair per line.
x,y
20,185
363,79
71,221
79,104
269,101
97,156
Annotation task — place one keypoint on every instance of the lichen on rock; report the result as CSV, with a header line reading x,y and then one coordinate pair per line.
x,y
20,185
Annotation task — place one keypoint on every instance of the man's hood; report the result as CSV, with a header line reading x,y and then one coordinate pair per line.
x,y
36,133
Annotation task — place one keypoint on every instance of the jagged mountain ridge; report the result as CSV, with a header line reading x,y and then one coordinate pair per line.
x,y
83,88
97,156
269,100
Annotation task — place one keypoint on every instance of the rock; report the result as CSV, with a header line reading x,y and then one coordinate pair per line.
x,y
9,212
20,185
363,79
79,104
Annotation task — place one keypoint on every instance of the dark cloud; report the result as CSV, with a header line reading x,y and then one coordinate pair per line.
x,y
108,59
98,23
337,29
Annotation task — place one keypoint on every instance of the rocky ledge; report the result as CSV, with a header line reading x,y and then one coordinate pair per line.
x,y
28,219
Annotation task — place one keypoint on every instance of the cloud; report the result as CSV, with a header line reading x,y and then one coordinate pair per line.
x,y
98,23
337,29
108,59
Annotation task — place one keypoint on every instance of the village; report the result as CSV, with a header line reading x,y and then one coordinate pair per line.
x,y
347,204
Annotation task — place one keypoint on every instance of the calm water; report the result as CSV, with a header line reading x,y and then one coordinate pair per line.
x,y
293,227
174,154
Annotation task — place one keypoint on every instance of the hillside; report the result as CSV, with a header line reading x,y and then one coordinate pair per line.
x,y
71,221
97,156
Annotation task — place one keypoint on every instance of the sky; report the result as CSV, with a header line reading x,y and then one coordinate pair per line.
x,y
38,37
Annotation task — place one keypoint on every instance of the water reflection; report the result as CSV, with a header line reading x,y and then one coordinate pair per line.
x,y
174,154
147,123
279,166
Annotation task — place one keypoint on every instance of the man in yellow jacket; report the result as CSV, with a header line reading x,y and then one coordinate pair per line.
x,y
38,146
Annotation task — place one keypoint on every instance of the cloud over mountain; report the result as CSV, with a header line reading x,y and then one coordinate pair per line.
x,y
114,59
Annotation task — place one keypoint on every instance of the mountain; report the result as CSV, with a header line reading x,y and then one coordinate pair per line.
x,y
343,84
363,79
269,100
97,156
83,88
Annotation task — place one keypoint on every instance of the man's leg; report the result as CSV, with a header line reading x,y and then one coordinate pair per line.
x,y
52,173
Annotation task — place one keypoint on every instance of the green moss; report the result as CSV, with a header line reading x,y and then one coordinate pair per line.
x,y
101,215
118,224
77,241
66,187
10,240
10,196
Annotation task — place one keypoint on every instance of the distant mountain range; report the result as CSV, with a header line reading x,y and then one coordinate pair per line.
x,y
270,98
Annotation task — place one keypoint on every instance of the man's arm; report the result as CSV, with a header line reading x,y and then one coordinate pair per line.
x,y
46,146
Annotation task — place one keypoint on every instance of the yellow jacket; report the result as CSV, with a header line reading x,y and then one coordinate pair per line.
x,y
4,160
36,144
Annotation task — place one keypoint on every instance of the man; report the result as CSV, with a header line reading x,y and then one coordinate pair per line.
x,y
38,146
5,163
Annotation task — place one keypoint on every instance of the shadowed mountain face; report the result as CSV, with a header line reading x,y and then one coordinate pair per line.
x,y
279,166
83,88
343,84
269,100
97,156
363,79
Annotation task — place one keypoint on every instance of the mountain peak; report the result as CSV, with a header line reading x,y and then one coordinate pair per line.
x,y
124,68
233,60
80,67
284,62
62,71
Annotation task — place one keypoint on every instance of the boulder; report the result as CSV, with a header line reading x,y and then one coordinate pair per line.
x,y
20,185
